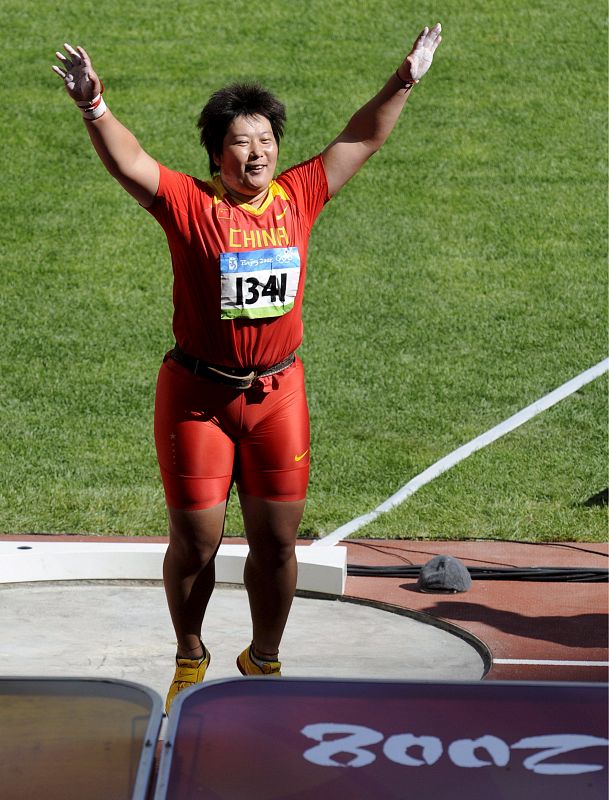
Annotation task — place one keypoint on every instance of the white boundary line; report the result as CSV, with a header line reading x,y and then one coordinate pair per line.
x,y
535,661
464,451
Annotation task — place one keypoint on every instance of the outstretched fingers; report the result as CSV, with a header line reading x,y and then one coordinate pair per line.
x,y
421,38
429,39
76,72
434,38
70,49
84,56
421,55
67,64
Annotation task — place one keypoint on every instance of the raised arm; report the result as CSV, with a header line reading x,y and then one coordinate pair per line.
x,y
117,147
368,128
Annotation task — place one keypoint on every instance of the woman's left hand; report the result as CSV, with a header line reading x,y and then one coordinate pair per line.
x,y
79,77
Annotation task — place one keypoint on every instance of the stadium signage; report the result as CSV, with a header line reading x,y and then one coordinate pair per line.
x,y
344,745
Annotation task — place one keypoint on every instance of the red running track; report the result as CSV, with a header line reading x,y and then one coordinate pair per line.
x,y
561,625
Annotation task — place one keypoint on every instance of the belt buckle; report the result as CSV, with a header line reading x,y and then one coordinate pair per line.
x,y
239,381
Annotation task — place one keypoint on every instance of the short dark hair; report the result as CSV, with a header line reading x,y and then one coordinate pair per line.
x,y
237,100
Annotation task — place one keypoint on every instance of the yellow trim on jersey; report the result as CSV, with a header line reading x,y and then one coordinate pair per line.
x,y
275,190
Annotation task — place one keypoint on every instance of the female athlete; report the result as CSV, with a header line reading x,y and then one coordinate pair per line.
x,y
230,401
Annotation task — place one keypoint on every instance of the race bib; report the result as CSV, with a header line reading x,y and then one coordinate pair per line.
x,y
259,283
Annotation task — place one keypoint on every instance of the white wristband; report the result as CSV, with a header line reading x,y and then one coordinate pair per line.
x,y
93,109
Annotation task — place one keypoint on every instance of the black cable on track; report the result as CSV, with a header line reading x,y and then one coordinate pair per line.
x,y
549,574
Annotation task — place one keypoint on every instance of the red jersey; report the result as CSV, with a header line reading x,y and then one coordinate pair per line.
x,y
239,271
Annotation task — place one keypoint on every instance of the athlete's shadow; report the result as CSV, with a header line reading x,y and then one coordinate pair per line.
x,y
581,630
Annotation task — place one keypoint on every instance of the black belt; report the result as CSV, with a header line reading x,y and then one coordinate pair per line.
x,y
238,377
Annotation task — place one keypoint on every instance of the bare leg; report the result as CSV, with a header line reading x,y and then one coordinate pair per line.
x,y
270,569
189,571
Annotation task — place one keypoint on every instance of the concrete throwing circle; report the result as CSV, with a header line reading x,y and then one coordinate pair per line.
x,y
123,630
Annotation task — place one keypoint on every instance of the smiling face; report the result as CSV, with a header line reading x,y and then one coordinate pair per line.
x,y
248,159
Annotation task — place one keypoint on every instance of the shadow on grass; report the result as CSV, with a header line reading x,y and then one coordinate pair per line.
x,y
581,631
599,499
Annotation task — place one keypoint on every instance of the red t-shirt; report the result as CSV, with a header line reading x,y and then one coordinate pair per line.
x,y
239,271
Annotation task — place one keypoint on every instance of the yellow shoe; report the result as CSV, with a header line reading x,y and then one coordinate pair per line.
x,y
247,666
189,671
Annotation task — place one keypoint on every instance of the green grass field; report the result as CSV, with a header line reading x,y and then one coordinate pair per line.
x,y
468,259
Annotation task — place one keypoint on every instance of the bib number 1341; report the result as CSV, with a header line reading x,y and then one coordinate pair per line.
x,y
259,283
249,290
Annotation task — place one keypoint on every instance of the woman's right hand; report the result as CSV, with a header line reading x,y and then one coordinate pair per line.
x,y
80,79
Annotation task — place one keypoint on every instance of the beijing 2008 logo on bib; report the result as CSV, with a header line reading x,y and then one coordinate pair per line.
x,y
259,283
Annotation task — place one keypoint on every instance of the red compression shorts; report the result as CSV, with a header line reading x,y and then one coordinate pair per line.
x,y
208,434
